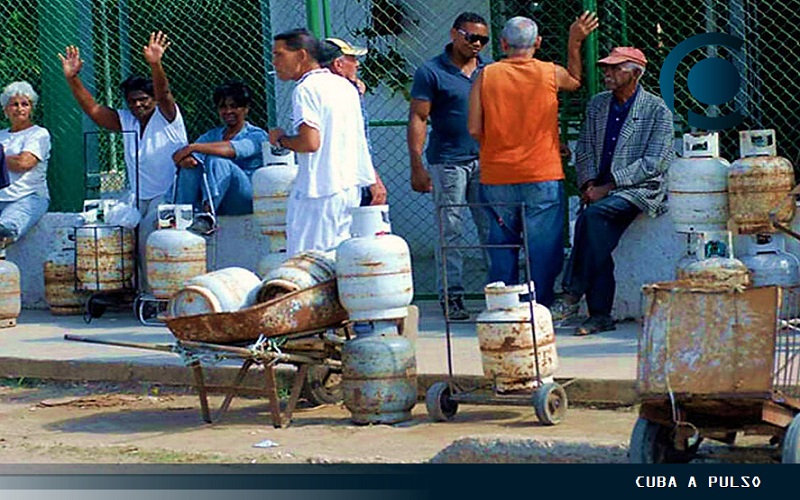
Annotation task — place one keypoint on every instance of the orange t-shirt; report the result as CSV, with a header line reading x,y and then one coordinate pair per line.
x,y
520,140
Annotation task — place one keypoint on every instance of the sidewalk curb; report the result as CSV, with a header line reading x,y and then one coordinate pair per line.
x,y
579,391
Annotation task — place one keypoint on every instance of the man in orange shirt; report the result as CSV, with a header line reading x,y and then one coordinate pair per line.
x,y
513,113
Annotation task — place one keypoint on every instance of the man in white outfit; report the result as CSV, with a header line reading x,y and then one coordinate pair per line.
x,y
328,137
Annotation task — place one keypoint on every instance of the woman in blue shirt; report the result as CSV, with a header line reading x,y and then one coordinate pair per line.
x,y
228,155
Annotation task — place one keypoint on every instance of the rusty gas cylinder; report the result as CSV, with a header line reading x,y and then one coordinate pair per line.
x,y
225,290
59,284
105,257
173,257
379,374
10,297
758,183
507,342
373,268
300,271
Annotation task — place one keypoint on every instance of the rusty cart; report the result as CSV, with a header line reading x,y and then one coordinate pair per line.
x,y
714,362
549,399
306,328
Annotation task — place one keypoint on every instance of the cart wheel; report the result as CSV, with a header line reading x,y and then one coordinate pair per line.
x,y
550,403
652,443
439,402
94,309
322,386
791,443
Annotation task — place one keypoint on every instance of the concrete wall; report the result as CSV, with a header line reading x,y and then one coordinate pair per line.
x,y
647,253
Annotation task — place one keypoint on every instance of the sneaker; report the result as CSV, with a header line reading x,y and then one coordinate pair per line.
x,y
595,324
455,310
564,307
203,224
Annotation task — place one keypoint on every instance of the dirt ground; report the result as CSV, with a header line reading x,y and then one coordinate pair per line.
x,y
97,423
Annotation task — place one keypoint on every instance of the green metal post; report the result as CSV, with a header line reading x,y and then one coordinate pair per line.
x,y
58,27
326,18
591,53
623,19
313,17
269,70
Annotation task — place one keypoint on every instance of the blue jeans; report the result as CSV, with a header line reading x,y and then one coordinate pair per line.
x,y
544,220
230,186
456,185
590,269
21,215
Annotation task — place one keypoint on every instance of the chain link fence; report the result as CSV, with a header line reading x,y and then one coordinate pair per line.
x,y
214,41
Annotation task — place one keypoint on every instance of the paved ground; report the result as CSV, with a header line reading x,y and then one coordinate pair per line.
x,y
36,348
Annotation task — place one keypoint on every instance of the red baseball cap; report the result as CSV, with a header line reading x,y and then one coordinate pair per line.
x,y
624,54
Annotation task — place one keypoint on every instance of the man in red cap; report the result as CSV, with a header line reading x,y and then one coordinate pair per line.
x,y
622,157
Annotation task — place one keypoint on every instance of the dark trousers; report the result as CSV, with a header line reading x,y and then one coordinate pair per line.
x,y
590,269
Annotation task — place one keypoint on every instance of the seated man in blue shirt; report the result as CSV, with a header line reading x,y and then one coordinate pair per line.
x,y
622,157
227,155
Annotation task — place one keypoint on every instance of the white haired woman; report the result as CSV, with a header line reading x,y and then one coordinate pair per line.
x,y
27,150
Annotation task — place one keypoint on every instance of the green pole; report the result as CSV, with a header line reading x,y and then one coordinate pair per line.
x,y
326,18
58,27
313,17
591,53
269,69
623,19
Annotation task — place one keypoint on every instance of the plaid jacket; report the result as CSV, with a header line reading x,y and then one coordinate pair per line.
x,y
642,155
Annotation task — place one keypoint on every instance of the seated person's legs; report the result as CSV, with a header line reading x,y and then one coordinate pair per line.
x,y
189,189
597,232
18,217
232,190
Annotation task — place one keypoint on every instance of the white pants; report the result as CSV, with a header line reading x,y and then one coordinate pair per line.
x,y
319,223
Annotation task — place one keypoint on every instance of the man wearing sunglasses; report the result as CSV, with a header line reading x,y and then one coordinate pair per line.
x,y
440,94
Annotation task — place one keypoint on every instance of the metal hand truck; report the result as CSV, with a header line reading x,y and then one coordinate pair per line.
x,y
549,399
146,300
122,296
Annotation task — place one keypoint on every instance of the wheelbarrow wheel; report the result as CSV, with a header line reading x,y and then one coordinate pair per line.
x,y
322,386
550,403
791,443
94,308
652,443
439,402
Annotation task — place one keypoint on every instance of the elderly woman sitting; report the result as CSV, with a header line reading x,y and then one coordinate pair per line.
x,y
27,149
228,155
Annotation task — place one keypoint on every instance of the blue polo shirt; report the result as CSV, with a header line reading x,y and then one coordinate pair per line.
x,y
617,114
446,87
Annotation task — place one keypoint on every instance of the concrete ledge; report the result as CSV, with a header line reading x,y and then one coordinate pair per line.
x,y
647,253
580,391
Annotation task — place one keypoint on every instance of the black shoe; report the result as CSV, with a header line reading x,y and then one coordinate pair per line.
x,y
203,224
595,324
455,310
7,236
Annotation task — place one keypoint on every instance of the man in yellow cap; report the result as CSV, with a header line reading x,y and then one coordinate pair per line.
x,y
622,157
341,58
